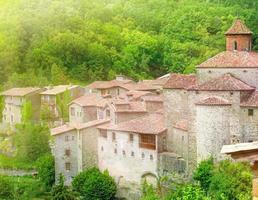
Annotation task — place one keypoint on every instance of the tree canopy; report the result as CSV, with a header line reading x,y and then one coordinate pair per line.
x,y
45,41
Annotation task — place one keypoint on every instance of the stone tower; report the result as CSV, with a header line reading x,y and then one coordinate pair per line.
x,y
238,37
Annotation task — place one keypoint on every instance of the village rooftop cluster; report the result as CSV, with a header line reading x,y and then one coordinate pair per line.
x,y
142,129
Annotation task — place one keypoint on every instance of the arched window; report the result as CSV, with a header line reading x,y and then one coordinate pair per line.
x,y
235,45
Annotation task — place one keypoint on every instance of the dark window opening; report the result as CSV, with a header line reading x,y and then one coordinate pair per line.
x,y
67,152
235,45
67,166
250,112
131,137
113,136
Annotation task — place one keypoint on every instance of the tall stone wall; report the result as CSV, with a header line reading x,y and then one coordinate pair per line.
x,y
248,75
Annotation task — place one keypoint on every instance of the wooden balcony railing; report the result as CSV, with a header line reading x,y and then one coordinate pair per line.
x,y
147,145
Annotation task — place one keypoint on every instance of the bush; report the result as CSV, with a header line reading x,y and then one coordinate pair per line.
x,y
5,188
45,166
231,181
188,192
204,173
149,192
94,185
61,191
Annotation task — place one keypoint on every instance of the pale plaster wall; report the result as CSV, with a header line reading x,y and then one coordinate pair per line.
x,y
130,168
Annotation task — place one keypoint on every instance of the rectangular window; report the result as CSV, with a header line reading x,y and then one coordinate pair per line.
x,y
148,141
103,133
66,138
72,111
67,152
67,166
12,118
250,112
108,113
131,138
113,136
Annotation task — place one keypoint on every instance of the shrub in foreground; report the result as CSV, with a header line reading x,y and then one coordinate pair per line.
x,y
95,185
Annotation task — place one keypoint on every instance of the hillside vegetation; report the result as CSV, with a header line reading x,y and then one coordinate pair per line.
x,y
60,41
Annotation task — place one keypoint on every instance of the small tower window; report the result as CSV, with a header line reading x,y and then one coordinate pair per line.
x,y
235,45
250,112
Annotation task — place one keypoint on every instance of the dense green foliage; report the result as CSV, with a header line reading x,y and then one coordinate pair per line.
x,y
93,184
15,163
20,188
5,188
231,181
62,192
32,141
44,41
222,181
45,167
204,173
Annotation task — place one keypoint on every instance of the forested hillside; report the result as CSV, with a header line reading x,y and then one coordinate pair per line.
x,y
60,41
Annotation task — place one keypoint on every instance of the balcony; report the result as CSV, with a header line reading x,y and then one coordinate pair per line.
x,y
147,145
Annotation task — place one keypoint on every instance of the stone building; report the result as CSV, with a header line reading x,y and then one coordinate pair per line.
x,y
13,101
153,127
50,95
218,105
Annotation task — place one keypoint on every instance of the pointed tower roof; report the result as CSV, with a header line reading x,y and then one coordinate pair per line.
x,y
238,28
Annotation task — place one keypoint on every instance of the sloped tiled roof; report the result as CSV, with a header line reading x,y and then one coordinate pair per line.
x,y
153,98
69,127
54,90
137,94
213,101
127,84
250,100
182,125
226,82
134,106
238,28
147,85
87,100
140,125
20,91
232,59
180,81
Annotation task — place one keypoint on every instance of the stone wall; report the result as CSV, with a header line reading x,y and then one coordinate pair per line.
x,y
248,75
60,146
124,159
212,130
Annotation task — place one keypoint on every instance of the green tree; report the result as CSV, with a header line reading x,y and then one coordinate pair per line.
x,y
231,181
93,184
32,141
204,173
62,192
26,112
45,166
58,76
62,104
46,115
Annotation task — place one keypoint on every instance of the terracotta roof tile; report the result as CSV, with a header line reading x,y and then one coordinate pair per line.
x,y
232,59
137,94
140,125
180,81
213,101
127,84
154,98
20,91
134,106
54,90
182,125
238,28
69,127
250,100
226,82
87,100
